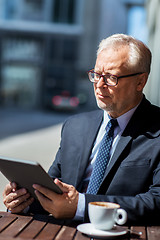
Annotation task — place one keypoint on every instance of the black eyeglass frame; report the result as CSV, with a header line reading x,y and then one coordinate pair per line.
x,y
117,77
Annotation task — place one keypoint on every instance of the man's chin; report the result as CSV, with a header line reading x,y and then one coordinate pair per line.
x,y
103,106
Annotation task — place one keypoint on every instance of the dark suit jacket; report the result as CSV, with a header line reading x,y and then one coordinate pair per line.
x,y
132,178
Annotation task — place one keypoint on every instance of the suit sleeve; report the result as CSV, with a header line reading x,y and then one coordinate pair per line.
x,y
55,168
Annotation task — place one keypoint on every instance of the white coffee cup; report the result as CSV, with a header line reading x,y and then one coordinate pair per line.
x,y
104,215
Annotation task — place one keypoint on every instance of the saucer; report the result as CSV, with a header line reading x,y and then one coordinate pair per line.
x,y
91,231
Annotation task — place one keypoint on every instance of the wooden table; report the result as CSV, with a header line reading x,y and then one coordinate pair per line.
x,y
19,227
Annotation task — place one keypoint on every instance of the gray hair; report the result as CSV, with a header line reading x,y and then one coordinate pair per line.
x,y
139,54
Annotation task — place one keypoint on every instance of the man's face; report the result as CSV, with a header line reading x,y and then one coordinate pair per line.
x,y
117,100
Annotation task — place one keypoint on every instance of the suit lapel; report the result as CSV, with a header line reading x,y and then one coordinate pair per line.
x,y
133,129
93,123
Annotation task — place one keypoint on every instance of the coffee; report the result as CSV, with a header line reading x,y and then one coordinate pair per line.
x,y
106,204
104,215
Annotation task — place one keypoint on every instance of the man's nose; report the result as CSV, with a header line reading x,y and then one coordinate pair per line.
x,y
101,82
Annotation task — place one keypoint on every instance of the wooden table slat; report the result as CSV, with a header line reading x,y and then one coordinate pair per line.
x,y
49,232
5,221
13,238
137,229
17,226
32,229
66,233
80,236
153,233
7,238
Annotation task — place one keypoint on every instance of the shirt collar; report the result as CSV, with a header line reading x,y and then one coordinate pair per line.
x,y
122,120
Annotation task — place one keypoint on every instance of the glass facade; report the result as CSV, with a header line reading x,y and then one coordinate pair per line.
x,y
20,72
36,65
57,11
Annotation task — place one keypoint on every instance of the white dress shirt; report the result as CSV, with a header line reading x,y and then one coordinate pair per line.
x,y
122,123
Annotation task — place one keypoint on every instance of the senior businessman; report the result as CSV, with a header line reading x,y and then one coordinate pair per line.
x,y
111,154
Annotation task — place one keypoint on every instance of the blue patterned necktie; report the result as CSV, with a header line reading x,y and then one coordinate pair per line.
x,y
102,158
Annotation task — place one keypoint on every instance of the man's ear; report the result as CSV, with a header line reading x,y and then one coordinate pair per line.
x,y
142,79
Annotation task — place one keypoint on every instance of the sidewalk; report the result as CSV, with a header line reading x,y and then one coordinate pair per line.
x,y
40,145
32,135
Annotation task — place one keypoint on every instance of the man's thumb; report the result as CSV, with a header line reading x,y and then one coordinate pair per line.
x,y
64,187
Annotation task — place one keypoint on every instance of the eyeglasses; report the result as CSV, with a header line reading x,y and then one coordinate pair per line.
x,y
110,79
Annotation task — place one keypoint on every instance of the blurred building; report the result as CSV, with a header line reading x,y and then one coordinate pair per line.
x,y
46,46
153,17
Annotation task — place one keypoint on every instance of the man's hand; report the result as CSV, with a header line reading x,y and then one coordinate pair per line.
x,y
16,200
59,205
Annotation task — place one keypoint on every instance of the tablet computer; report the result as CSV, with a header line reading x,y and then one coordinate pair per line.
x,y
26,173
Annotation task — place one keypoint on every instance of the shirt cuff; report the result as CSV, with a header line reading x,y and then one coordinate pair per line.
x,y
80,208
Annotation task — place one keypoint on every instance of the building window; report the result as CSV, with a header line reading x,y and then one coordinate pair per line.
x,y
24,10
55,11
63,11
137,26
